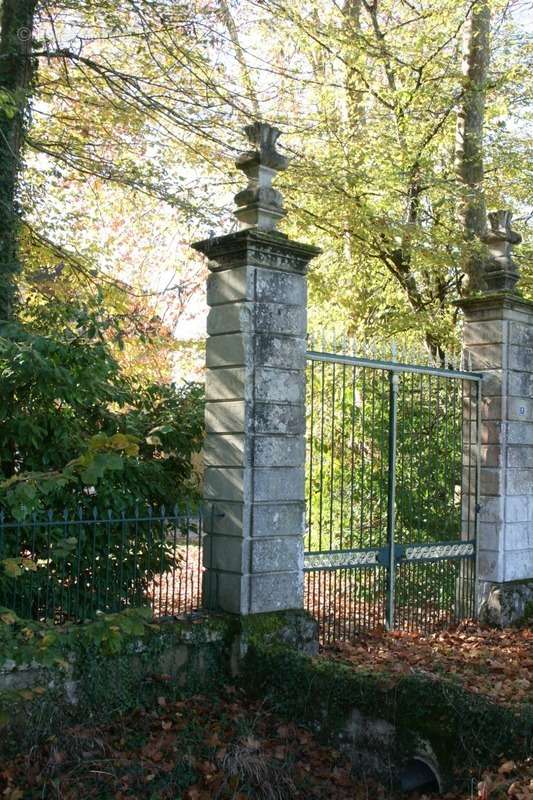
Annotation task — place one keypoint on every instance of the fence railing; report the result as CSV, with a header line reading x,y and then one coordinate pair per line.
x,y
71,567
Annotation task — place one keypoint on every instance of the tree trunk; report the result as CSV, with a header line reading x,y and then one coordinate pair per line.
x,y
16,75
469,139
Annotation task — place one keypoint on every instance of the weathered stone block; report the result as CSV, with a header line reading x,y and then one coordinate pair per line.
x,y
280,318
278,418
225,553
273,555
491,408
520,408
517,508
518,536
492,510
272,519
228,350
491,383
226,518
280,351
518,565
491,534
521,334
227,383
490,566
491,455
520,456
280,386
521,358
520,384
485,332
520,432
279,287
520,481
230,318
226,591
490,481
279,451
229,286
227,417
276,591
283,483
224,450
231,484
486,356
492,432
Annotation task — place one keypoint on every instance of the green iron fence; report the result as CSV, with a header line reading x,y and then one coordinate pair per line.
x,y
72,567
392,494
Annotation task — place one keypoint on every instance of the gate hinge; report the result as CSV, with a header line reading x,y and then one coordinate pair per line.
x,y
478,508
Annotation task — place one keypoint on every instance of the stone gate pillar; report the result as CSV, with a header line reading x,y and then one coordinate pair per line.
x,y
255,411
498,338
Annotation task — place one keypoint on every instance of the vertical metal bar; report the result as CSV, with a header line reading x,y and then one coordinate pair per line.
x,y
184,567
108,602
382,460
332,461
391,493
363,461
343,450
352,466
123,593
310,456
321,467
477,496
370,542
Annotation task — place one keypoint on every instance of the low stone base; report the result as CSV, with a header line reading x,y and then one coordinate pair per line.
x,y
503,604
86,680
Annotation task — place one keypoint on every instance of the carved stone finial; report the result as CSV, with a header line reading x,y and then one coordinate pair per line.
x,y
260,205
501,273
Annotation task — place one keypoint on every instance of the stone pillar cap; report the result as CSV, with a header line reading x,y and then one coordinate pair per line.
x,y
260,205
501,273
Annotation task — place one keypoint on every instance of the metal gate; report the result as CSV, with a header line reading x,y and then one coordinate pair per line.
x,y
392,482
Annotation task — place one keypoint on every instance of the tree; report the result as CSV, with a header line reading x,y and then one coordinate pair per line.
x,y
16,78
470,124
136,103
367,94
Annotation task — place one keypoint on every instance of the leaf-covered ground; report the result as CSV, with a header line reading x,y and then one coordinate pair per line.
x,y
192,749
495,663
228,747
205,747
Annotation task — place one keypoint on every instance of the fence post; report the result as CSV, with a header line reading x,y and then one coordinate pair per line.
x,y
391,495
255,391
498,341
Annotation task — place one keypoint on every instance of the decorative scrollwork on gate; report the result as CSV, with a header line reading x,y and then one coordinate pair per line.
x,y
343,558
432,551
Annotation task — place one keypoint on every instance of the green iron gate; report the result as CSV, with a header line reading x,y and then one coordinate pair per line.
x,y
392,482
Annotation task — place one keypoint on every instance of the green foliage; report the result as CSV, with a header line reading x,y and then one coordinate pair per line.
x,y
77,431
115,663
85,441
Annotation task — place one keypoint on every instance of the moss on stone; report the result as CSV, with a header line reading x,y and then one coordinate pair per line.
x,y
296,628
464,730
